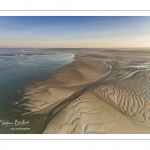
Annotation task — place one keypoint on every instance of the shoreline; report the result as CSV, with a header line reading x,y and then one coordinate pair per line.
x,y
12,97
58,81
44,97
81,98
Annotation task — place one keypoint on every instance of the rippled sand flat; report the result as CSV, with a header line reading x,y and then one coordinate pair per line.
x,y
65,82
89,115
100,92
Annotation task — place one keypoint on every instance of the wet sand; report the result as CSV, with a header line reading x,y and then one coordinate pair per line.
x,y
88,96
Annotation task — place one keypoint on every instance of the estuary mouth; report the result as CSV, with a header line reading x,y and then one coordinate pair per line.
x,y
87,94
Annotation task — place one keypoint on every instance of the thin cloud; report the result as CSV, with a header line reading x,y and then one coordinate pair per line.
x,y
70,35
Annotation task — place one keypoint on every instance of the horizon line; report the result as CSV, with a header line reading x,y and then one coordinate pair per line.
x,y
72,47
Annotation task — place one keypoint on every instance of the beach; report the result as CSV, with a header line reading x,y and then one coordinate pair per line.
x,y
100,92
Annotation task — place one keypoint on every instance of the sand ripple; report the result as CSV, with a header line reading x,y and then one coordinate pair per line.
x,y
103,104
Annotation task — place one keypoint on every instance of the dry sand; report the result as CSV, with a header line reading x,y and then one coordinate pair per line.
x,y
101,105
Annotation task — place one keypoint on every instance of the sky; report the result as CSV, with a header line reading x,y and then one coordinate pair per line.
x,y
74,31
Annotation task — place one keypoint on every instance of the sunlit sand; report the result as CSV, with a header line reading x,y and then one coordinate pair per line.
x,y
100,92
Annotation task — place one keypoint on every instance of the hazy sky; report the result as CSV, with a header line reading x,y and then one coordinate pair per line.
x,y
74,32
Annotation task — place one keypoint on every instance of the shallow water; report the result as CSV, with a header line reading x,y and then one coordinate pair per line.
x,y
22,69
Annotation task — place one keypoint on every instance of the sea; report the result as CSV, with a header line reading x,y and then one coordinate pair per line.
x,y
19,68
